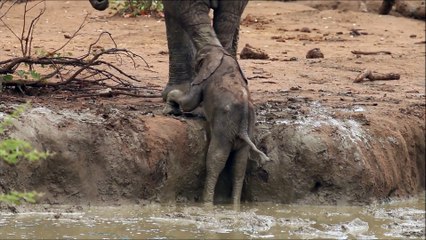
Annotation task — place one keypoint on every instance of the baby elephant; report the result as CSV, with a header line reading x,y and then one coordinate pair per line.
x,y
222,89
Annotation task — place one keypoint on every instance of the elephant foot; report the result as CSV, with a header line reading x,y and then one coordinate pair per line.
x,y
183,87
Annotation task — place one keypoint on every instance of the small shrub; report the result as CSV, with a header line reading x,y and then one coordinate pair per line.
x,y
13,150
131,8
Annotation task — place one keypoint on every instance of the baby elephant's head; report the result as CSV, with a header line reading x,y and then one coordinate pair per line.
x,y
208,60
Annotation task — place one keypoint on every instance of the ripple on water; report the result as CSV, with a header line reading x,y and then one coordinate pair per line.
x,y
354,228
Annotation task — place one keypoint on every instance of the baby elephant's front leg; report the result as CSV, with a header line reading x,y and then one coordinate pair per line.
x,y
186,102
172,103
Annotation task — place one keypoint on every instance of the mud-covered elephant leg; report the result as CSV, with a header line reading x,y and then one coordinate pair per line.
x,y
181,55
240,160
217,155
238,171
226,23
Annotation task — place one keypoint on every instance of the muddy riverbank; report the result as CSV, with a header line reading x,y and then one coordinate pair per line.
x,y
112,155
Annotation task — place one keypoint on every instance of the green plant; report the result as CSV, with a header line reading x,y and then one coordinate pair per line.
x,y
137,7
17,197
12,150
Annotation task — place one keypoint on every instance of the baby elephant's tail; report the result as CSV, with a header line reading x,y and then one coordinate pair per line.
x,y
244,130
263,158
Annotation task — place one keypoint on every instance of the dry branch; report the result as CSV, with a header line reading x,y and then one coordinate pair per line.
x,y
373,76
81,64
112,93
371,53
89,73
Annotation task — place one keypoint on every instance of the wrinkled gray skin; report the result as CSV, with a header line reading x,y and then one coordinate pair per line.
x,y
189,28
222,88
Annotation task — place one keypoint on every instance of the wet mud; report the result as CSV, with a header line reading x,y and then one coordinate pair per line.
x,y
395,219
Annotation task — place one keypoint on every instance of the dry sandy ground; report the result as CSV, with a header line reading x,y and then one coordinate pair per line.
x,y
277,31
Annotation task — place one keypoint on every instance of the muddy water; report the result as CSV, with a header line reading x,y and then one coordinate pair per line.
x,y
395,219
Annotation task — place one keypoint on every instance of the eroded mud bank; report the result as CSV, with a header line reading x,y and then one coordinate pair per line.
x,y
115,156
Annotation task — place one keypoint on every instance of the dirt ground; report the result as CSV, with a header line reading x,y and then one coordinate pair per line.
x,y
287,89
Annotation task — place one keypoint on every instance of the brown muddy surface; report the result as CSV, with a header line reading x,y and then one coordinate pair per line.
x,y
391,220
332,141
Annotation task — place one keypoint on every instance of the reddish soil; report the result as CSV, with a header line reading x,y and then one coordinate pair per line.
x,y
330,163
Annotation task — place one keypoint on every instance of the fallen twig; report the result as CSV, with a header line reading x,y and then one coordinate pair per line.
x,y
372,76
364,104
371,53
114,93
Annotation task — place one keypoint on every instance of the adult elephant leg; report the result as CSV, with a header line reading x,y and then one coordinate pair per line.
x,y
99,4
181,55
188,30
226,23
196,22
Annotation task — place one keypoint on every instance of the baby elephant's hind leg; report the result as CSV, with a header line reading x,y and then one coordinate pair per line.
x,y
217,155
239,171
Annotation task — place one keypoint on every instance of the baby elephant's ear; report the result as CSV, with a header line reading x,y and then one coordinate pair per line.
x,y
207,65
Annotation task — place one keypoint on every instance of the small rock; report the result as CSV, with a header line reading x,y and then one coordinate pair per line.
x,y
292,59
305,29
314,53
105,92
295,88
278,38
357,32
249,19
12,209
250,52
